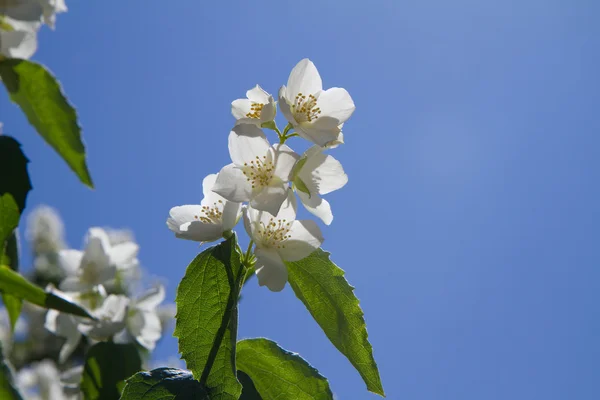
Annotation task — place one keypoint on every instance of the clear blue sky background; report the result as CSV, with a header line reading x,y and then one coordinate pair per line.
x,y
470,221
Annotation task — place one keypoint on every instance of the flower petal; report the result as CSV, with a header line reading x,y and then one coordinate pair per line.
x,y
284,106
284,158
240,108
270,198
246,142
336,103
232,212
232,184
150,331
69,261
182,221
270,269
304,79
317,206
258,95
321,173
96,250
323,131
305,238
123,255
151,298
269,111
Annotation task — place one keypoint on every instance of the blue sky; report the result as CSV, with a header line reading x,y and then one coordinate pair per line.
x,y
470,221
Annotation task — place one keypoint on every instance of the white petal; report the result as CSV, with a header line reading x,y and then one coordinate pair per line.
x,y
269,111
207,185
73,284
151,298
336,103
270,269
232,184
240,108
284,159
317,206
231,215
322,132
96,250
18,43
246,142
69,347
258,95
251,218
69,261
150,331
124,255
182,221
288,208
284,106
304,79
322,173
270,198
305,238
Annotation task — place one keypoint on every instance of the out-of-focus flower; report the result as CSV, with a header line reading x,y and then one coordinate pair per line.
x,y
142,321
45,230
41,381
258,108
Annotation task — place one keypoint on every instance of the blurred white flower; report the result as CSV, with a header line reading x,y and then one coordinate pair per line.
x,y
111,318
142,321
315,114
41,381
205,222
317,174
99,262
258,108
45,230
280,238
259,173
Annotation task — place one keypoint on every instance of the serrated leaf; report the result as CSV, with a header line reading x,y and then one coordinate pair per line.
x,y
8,389
280,374
164,384
249,391
206,320
321,286
107,367
14,284
41,98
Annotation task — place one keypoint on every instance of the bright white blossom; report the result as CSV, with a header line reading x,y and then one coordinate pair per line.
x,y
259,173
317,174
205,222
99,262
280,238
258,108
315,114
142,321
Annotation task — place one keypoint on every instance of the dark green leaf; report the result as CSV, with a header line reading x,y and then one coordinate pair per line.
x,y
330,299
249,391
279,374
206,320
13,283
40,96
107,366
8,390
164,384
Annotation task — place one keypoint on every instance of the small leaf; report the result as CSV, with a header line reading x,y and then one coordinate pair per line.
x,y
249,391
40,96
13,283
164,384
330,299
107,366
279,374
13,306
8,389
206,320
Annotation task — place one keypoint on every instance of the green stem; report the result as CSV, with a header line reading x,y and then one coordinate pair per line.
x,y
234,294
287,129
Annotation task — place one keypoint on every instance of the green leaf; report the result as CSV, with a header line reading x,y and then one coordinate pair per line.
x,y
206,320
13,306
330,299
249,391
279,374
40,96
164,384
13,283
10,257
8,390
107,366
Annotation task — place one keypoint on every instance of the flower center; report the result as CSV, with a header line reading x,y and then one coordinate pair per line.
x,y
275,233
211,215
305,109
259,172
255,110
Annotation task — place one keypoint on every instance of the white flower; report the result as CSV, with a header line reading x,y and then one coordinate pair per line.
x,y
259,173
143,322
18,39
45,230
315,114
41,381
98,263
317,174
205,222
258,108
33,11
280,239
110,318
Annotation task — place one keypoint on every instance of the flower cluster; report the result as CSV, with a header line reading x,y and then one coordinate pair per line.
x,y
103,278
20,20
263,179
